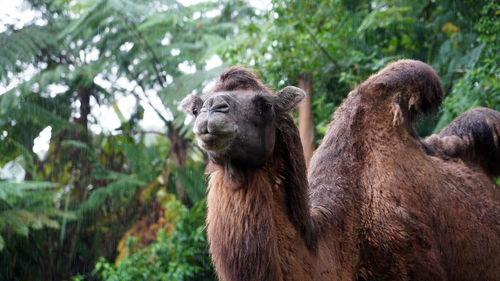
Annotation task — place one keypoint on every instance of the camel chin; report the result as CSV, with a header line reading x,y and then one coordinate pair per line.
x,y
215,143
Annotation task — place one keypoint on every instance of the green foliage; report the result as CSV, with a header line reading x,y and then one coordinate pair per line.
x,y
25,206
96,52
479,85
320,37
76,203
384,18
20,48
182,255
10,190
342,42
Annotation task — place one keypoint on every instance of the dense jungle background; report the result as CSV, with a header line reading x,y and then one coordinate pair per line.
x,y
100,178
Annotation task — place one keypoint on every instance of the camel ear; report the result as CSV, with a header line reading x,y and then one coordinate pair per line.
x,y
191,104
288,98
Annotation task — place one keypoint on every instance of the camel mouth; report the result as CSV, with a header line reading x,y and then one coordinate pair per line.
x,y
215,142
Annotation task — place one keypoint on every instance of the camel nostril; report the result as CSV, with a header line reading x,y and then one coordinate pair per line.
x,y
222,107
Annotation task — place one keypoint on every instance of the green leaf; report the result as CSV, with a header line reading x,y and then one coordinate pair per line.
x,y
22,46
184,85
48,222
53,212
26,185
383,18
14,221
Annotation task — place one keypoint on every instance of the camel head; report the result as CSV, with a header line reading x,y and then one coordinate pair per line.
x,y
235,123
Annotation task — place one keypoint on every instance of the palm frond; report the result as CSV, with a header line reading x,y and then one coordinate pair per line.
x,y
21,47
17,189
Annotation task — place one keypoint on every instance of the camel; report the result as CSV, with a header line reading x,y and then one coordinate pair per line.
x,y
378,202
473,137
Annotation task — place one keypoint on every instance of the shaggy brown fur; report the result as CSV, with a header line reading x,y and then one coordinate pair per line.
x,y
382,204
270,228
268,234
238,78
474,136
390,210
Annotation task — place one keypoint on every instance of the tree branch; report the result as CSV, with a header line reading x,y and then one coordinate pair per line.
x,y
450,82
156,61
322,49
131,132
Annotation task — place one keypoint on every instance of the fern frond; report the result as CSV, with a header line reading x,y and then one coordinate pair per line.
x,y
22,46
383,18
16,189
120,191
185,84
14,221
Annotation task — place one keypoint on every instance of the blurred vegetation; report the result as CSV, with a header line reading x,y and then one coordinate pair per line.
x,y
179,253
127,202
342,42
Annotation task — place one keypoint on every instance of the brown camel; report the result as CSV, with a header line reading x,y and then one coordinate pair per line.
x,y
380,203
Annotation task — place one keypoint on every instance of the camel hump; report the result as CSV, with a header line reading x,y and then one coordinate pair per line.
x,y
412,86
473,136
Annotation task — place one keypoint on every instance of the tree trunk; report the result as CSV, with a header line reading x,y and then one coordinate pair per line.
x,y
178,153
306,126
82,172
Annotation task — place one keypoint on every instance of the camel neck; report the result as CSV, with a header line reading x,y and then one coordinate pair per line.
x,y
250,234
241,228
